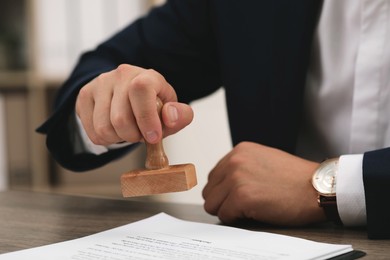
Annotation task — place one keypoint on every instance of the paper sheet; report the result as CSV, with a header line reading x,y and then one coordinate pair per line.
x,y
165,237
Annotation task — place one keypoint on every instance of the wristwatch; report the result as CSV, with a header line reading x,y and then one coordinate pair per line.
x,y
324,182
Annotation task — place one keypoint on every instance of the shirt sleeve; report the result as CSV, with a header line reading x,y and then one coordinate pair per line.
x,y
351,202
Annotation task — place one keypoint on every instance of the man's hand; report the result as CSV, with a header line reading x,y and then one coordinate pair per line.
x,y
264,184
120,105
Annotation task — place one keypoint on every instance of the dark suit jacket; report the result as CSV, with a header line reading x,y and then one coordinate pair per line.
x,y
257,50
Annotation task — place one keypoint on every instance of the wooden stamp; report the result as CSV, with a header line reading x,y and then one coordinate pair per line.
x,y
158,176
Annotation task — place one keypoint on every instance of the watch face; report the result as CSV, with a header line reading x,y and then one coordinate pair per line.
x,y
324,179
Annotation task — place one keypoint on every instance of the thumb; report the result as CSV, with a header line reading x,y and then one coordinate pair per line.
x,y
176,116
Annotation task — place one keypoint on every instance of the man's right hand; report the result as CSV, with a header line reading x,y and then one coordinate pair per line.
x,y
120,105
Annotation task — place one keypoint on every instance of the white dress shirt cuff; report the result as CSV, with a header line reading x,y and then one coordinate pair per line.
x,y
351,202
89,146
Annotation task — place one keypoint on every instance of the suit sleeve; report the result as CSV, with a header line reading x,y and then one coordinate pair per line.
x,y
376,178
175,39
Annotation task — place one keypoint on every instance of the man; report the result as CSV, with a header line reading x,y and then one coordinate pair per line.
x,y
259,51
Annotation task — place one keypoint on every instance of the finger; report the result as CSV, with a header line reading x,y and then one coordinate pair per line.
x,y
211,183
230,210
122,118
101,116
84,110
145,88
215,197
175,117
216,175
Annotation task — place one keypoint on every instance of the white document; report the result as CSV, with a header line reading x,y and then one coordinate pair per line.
x,y
165,237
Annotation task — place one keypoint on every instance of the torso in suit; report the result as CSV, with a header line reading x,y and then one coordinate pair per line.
x,y
257,50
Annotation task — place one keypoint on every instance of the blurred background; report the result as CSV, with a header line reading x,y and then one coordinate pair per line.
x,y
40,42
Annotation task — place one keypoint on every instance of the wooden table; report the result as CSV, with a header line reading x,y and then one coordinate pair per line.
x,y
30,219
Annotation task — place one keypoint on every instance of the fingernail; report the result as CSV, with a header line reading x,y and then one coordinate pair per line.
x,y
173,114
151,136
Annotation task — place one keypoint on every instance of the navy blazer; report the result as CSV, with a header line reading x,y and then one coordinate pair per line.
x,y
257,50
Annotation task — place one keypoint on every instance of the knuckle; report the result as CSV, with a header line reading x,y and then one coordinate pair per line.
x,y
101,78
123,70
236,160
141,82
146,79
103,129
240,192
119,121
235,176
95,139
242,146
83,96
208,207
153,74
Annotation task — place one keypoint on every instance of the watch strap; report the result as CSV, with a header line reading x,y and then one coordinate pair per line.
x,y
329,205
